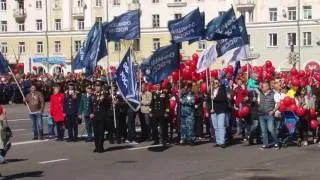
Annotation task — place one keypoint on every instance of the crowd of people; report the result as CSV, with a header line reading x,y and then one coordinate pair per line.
x,y
171,112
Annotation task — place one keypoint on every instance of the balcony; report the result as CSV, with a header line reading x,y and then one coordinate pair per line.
x,y
133,6
177,4
78,12
20,15
245,4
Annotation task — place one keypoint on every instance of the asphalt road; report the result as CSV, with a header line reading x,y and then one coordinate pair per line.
x,y
61,160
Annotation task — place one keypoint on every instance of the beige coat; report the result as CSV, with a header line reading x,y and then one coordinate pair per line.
x,y
145,102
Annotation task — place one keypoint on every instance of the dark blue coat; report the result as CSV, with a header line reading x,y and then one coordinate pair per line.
x,y
70,104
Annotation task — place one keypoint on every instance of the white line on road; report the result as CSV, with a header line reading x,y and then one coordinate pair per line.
x,y
29,142
52,161
14,120
144,147
17,130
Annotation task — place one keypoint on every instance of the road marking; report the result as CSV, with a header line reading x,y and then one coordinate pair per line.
x,y
14,120
17,130
52,161
29,142
27,134
144,147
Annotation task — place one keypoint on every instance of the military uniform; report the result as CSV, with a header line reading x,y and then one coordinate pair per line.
x,y
70,108
100,104
187,121
159,107
84,110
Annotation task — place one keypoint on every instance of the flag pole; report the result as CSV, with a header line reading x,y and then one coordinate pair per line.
x,y
24,98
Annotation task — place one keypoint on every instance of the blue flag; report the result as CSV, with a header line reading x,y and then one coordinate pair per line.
x,y
94,50
236,69
188,28
225,45
125,26
3,64
126,81
161,64
222,27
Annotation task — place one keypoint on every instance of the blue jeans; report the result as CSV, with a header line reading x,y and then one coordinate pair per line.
x,y
37,124
267,124
218,122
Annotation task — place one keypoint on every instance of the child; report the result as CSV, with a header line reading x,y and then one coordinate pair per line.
x,y
252,83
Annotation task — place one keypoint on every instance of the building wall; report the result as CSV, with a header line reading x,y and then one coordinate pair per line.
x,y
258,28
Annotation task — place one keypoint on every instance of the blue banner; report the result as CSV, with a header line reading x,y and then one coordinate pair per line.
x,y
50,60
127,83
94,50
222,27
125,26
225,45
3,64
188,28
161,64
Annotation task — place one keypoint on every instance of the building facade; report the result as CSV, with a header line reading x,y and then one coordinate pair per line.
x,y
32,29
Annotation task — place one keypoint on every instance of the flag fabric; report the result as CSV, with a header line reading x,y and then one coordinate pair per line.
x,y
203,16
127,83
207,58
187,28
235,49
222,27
96,50
161,64
236,69
3,64
125,26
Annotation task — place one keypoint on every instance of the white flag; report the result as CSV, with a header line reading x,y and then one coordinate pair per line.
x,y
207,58
236,54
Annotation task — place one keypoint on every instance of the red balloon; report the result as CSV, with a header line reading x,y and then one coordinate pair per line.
x,y
195,57
282,107
313,113
300,111
34,68
317,76
295,82
172,105
187,74
214,73
314,124
268,64
303,82
294,72
182,67
164,84
245,111
302,73
292,108
204,88
230,69
195,76
287,101
1,109
175,76
193,66
203,75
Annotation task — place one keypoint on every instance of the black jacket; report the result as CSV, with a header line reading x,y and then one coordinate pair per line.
x,y
220,102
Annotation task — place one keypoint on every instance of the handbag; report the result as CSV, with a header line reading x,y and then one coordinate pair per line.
x,y
6,132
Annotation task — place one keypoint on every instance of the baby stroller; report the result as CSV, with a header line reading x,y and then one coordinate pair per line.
x,y
287,131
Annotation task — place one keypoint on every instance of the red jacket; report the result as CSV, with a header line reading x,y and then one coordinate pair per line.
x,y
56,107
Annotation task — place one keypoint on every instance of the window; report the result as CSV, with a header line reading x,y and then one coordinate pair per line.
x,y
177,0
292,12
220,13
80,24
273,40
292,40
155,20
273,14
99,19
3,5
4,48
155,1
57,4
202,45
77,45
249,38
57,46
57,24
39,24
98,3
250,16
117,46
38,4
40,47
136,45
21,47
156,43
21,27
307,12
116,2
135,2
177,16
80,3
307,39
4,26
